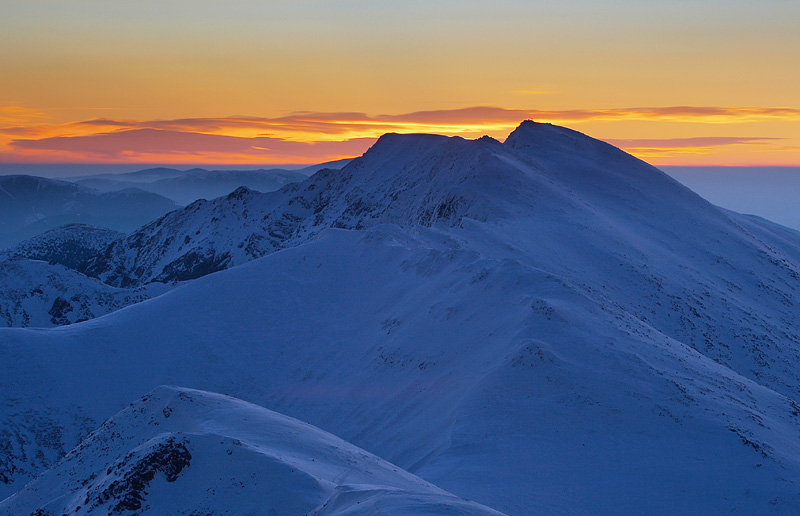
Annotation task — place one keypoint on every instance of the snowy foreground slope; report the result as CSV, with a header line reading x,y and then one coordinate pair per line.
x,y
498,382
187,452
544,326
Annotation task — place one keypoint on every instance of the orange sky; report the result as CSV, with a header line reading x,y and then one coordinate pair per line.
x,y
276,81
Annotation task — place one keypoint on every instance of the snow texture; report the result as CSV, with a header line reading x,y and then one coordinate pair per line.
x,y
545,326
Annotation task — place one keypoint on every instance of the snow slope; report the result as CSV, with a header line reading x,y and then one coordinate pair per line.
x,y
500,382
550,198
181,451
545,324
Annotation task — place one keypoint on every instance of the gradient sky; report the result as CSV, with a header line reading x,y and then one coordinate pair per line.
x,y
700,82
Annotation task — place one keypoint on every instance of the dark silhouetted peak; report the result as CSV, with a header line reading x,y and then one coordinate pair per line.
x,y
27,185
239,193
488,139
536,134
393,142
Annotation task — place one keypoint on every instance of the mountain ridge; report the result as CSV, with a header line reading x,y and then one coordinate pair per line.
x,y
557,326
608,205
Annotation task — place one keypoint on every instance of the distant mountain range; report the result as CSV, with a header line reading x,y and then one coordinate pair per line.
x,y
33,294
187,186
32,205
545,326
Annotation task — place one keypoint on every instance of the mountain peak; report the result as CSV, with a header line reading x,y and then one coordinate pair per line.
x,y
394,143
530,133
239,193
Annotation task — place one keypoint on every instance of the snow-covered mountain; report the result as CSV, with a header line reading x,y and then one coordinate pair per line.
x,y
30,205
187,186
69,245
406,180
187,452
550,198
546,325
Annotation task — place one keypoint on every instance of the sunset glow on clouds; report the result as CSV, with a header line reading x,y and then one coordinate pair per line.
x,y
313,80
317,137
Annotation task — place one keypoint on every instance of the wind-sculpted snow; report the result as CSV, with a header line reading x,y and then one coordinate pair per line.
x,y
187,452
546,325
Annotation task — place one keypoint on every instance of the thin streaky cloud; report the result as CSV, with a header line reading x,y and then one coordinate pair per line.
x,y
12,115
143,144
666,147
309,136
476,116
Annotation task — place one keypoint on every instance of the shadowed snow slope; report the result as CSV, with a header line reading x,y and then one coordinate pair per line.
x,y
187,452
547,325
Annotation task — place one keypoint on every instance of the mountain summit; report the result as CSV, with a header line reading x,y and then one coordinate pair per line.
x,y
408,180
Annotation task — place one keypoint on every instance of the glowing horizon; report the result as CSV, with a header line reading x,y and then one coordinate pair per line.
x,y
706,83
302,138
